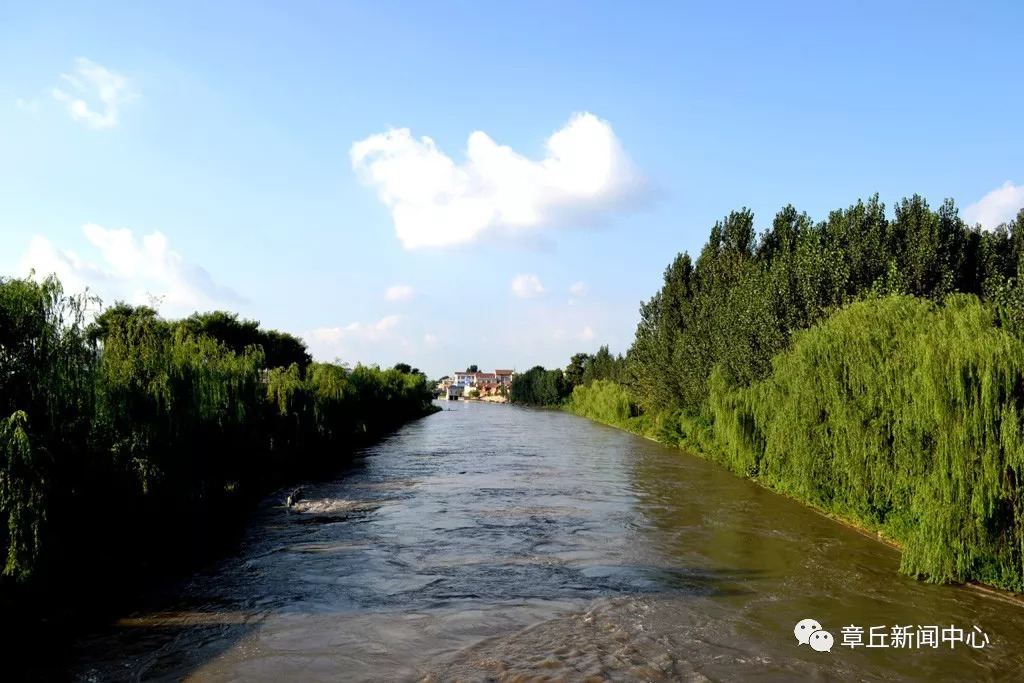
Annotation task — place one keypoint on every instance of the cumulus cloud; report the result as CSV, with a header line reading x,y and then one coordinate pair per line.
x,y
373,331
129,269
362,331
381,342
96,94
998,206
399,293
587,333
578,288
435,201
527,286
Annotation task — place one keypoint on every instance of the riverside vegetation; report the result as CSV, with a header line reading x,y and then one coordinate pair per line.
x,y
871,367
129,444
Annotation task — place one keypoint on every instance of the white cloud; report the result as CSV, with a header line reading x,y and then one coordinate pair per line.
x,y
361,331
578,288
96,94
587,334
430,339
373,331
527,286
128,269
380,342
998,206
399,293
74,273
328,335
436,202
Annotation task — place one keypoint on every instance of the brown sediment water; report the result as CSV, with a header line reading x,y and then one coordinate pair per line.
x,y
519,544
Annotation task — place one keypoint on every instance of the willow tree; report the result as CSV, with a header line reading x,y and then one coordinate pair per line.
x,y
46,399
134,439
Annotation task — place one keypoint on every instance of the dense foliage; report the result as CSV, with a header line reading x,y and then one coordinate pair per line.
x,y
585,368
538,386
904,415
604,400
129,442
870,366
737,306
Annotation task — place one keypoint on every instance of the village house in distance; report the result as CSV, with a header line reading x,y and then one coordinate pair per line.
x,y
488,386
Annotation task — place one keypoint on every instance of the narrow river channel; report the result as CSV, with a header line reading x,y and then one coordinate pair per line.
x,y
490,542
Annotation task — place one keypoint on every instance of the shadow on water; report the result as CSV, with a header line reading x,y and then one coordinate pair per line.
x,y
146,644
493,536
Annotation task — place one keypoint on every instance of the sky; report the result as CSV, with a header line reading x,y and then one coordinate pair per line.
x,y
455,183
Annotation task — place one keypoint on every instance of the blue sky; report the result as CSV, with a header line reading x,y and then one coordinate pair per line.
x,y
269,158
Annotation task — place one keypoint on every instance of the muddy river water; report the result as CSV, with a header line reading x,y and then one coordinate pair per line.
x,y
490,542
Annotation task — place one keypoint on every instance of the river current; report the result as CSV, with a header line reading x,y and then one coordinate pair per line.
x,y
492,542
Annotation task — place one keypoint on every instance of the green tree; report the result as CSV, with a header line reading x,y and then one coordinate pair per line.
x,y
574,371
279,348
717,364
135,440
539,387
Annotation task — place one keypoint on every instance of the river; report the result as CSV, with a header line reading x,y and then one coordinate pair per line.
x,y
492,542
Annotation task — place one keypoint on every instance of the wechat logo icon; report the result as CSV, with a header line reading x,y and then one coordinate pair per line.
x,y
809,632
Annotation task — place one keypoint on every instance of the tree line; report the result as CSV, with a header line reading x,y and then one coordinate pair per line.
x,y
737,306
538,386
130,442
868,364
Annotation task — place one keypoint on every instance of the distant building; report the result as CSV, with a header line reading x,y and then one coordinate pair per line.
x,y
484,382
465,379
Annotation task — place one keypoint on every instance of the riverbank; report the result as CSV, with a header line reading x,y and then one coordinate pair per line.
x,y
132,446
898,414
648,429
636,427
59,617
